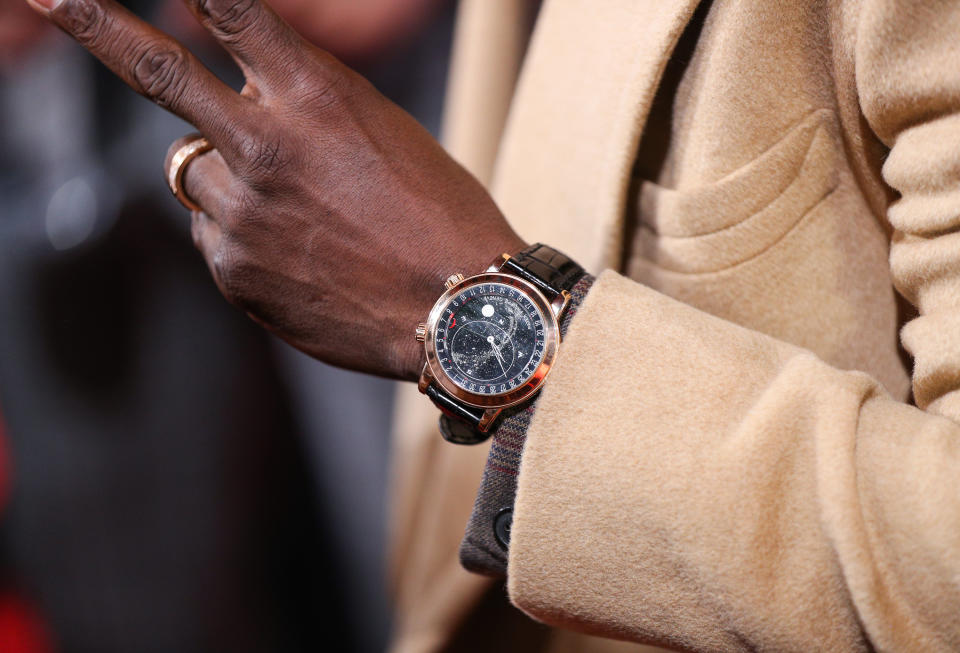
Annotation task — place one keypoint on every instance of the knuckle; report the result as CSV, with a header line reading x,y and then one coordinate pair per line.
x,y
244,211
320,86
238,274
316,96
161,72
231,17
224,267
264,158
84,19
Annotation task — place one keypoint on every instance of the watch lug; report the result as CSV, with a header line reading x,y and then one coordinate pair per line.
x,y
426,378
489,415
560,303
498,262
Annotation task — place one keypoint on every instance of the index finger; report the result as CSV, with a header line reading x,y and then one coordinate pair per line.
x,y
154,65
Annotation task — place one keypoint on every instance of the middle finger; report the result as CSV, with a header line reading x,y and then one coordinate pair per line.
x,y
262,44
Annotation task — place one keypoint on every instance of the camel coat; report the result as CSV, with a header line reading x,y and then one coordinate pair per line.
x,y
728,454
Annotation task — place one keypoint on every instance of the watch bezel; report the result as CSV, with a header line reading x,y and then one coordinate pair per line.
x,y
551,341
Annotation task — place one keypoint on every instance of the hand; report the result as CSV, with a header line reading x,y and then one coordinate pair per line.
x,y
330,215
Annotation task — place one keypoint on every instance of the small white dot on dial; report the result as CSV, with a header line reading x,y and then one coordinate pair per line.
x,y
487,310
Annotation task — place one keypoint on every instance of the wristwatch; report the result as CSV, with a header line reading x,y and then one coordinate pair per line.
x,y
491,339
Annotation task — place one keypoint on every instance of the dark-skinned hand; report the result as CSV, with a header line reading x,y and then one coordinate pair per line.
x,y
329,214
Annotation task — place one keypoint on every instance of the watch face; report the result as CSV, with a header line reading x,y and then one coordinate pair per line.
x,y
490,338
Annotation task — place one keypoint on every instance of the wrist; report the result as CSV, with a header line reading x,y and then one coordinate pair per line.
x,y
411,356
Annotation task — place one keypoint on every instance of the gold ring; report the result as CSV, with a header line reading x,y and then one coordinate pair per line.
x,y
178,165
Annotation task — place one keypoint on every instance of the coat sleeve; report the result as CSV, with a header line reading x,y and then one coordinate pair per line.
x,y
693,483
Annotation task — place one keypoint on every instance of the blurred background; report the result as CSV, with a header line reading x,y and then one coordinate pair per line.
x,y
171,477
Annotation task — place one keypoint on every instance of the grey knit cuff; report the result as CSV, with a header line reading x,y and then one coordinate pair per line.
x,y
487,539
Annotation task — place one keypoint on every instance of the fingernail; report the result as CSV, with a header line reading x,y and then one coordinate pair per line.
x,y
44,5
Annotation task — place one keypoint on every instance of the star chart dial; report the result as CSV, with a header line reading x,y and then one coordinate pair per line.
x,y
490,338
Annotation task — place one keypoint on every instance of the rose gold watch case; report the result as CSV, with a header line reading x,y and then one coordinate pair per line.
x,y
551,340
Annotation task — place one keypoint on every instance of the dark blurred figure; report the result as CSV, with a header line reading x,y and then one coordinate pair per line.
x,y
181,481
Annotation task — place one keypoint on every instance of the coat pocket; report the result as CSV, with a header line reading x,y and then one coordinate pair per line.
x,y
716,226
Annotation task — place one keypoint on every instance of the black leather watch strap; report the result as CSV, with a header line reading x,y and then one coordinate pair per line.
x,y
459,423
551,271
454,408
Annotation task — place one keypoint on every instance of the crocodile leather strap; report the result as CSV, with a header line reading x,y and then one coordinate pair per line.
x,y
546,268
551,272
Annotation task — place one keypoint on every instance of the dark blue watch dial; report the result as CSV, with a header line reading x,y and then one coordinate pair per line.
x,y
490,338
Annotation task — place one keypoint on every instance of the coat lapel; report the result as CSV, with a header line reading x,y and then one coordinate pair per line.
x,y
571,138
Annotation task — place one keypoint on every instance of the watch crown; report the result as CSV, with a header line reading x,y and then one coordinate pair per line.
x,y
453,280
421,332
